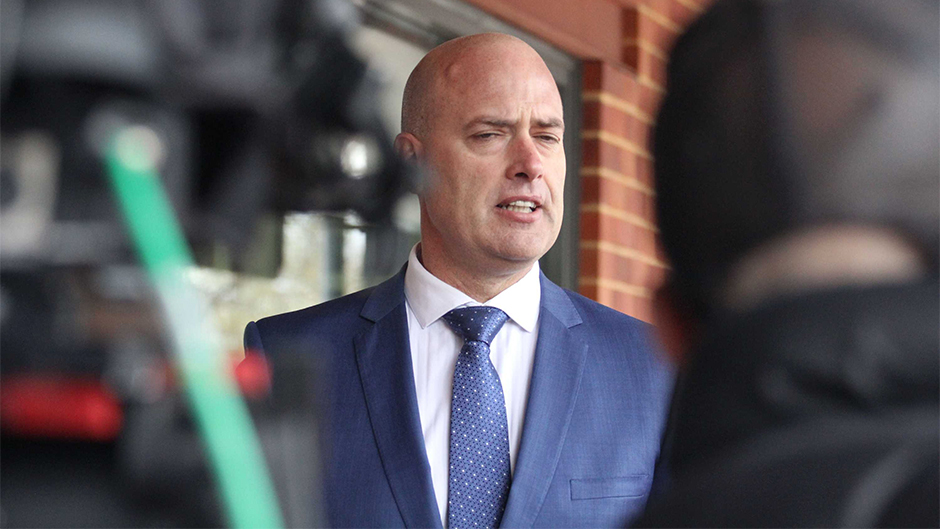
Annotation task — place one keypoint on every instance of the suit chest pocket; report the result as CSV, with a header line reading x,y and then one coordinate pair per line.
x,y
634,486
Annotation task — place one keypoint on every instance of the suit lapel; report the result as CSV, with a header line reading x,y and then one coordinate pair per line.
x,y
383,354
556,377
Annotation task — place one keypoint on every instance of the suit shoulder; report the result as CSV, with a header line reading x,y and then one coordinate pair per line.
x,y
595,314
614,334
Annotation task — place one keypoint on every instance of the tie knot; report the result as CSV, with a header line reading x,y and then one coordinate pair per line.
x,y
476,323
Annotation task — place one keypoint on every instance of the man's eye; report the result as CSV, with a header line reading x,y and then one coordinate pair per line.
x,y
485,135
549,138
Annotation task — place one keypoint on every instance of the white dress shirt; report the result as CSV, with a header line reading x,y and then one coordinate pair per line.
x,y
434,350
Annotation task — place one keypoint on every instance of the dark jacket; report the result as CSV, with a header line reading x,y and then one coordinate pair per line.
x,y
817,410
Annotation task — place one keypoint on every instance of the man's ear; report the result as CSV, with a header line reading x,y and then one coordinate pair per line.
x,y
677,327
409,147
411,150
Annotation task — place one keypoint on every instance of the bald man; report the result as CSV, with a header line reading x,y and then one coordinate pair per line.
x,y
469,390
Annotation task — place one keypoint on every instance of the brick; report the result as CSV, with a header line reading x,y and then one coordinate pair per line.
x,y
656,277
610,267
591,115
629,32
600,116
662,7
596,226
590,190
657,11
642,310
630,271
598,76
625,303
621,214
643,171
618,268
605,296
683,14
628,199
647,206
639,308
652,66
602,154
653,32
679,12
590,153
592,73
589,224
588,291
630,55
588,262
625,252
597,189
648,99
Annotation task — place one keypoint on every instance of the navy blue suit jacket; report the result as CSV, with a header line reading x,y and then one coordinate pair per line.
x,y
592,427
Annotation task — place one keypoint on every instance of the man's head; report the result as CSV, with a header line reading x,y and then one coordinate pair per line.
x,y
483,117
795,141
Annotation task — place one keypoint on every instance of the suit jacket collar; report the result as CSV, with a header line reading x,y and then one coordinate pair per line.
x,y
383,354
556,378
385,297
556,301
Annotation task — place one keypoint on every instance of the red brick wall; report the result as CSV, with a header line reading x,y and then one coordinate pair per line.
x,y
624,46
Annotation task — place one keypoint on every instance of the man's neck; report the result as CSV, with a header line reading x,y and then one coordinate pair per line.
x,y
480,286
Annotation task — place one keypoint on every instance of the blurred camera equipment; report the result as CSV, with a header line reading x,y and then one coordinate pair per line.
x,y
242,109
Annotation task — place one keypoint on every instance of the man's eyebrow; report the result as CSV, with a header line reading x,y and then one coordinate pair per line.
x,y
490,122
550,123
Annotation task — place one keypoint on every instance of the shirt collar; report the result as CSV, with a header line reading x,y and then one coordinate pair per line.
x,y
430,298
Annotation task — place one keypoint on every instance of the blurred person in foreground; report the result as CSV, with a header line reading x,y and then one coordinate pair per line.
x,y
797,183
540,408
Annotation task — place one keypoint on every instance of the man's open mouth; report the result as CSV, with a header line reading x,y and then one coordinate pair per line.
x,y
519,206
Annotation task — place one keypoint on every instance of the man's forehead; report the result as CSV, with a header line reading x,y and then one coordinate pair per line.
x,y
491,61
492,74
512,80
503,107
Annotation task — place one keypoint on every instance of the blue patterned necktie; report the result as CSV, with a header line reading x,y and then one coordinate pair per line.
x,y
479,436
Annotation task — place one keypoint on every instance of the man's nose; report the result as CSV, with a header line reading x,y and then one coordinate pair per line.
x,y
526,159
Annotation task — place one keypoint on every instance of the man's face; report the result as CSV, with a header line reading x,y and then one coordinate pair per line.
x,y
494,196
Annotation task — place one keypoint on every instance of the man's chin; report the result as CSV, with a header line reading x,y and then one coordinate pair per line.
x,y
522,245
519,256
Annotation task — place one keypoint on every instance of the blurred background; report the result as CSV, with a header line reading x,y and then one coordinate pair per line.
x,y
269,127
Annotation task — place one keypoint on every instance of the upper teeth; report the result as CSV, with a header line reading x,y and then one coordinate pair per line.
x,y
520,206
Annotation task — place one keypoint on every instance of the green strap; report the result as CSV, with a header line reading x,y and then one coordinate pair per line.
x,y
233,446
